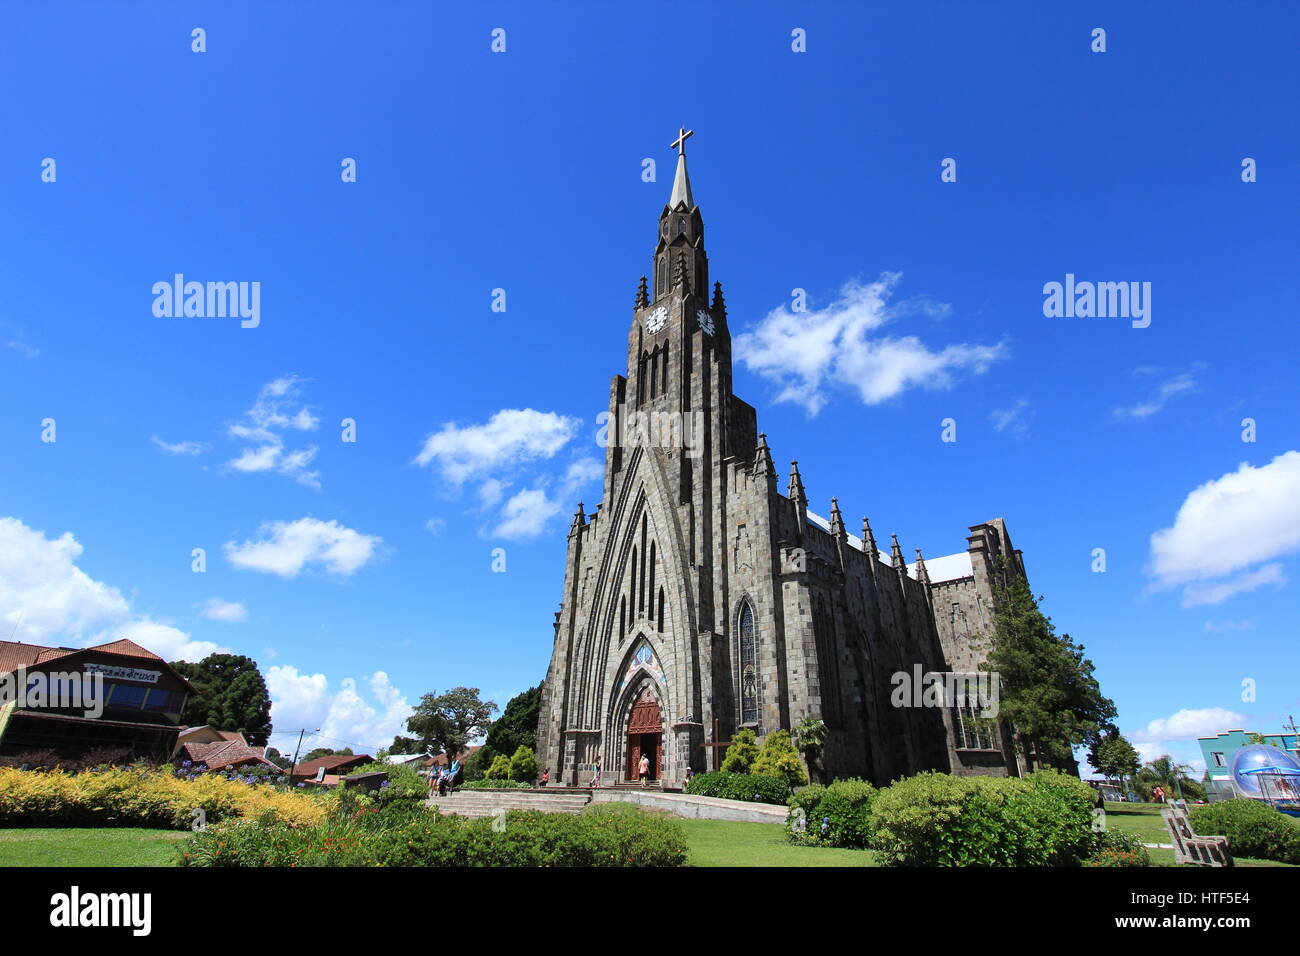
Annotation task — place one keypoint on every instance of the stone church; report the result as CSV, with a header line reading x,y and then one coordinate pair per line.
x,y
699,599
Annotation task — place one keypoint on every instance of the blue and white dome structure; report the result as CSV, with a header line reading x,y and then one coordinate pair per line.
x,y
1270,774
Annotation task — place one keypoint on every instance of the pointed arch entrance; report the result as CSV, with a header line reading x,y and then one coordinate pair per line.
x,y
645,736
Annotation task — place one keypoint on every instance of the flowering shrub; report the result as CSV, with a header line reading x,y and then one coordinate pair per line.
x,y
837,815
135,797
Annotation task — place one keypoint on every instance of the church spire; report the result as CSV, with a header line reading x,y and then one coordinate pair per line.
x,y
680,262
682,181
795,491
922,574
869,542
896,555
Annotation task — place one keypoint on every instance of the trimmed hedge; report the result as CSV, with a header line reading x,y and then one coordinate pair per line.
x,y
132,797
753,787
934,819
837,815
495,785
613,836
1253,828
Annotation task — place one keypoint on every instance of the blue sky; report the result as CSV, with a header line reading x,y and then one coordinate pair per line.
x,y
337,561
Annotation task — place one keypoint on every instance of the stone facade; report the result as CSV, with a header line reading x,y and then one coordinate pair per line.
x,y
698,586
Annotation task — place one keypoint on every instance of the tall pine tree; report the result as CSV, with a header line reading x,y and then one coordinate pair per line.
x,y
1048,692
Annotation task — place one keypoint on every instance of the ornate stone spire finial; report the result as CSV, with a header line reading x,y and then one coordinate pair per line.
x,y
869,540
763,467
837,519
796,492
719,304
642,295
579,520
896,554
922,574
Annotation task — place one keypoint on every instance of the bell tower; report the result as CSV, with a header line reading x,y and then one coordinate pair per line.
x,y
673,306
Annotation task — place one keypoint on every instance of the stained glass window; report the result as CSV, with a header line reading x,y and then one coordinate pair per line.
x,y
748,667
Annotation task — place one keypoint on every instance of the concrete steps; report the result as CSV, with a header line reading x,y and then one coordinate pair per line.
x,y
483,803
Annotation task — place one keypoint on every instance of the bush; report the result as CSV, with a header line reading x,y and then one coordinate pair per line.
x,y
1118,848
500,769
1253,828
741,754
935,819
134,797
838,815
523,765
753,787
600,836
778,758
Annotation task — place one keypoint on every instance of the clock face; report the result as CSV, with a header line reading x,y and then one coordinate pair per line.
x,y
706,321
655,321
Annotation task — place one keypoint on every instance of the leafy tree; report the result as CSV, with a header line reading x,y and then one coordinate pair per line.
x,y
778,758
325,752
477,764
230,694
1048,692
277,758
742,753
1175,778
446,723
810,738
405,745
500,769
1258,739
1113,756
523,765
517,726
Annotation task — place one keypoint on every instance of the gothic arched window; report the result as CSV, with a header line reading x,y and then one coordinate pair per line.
x,y
660,619
748,666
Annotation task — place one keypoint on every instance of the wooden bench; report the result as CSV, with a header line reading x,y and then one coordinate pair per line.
x,y
1193,849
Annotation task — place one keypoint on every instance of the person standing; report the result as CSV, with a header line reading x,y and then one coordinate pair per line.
x,y
645,770
595,773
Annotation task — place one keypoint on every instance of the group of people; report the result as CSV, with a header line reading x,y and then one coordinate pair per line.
x,y
442,779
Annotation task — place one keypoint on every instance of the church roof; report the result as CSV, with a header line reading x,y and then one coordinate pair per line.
x,y
950,567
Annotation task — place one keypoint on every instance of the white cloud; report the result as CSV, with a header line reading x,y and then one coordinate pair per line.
x,y
806,352
1216,592
46,599
435,525
230,611
164,640
20,346
344,717
1179,384
1228,525
492,491
278,409
526,515
1188,725
510,437
1014,418
286,547
181,447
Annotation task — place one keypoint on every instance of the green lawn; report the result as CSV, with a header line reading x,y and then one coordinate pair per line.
x,y
106,846
724,843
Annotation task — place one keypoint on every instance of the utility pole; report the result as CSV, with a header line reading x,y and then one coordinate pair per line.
x,y
294,763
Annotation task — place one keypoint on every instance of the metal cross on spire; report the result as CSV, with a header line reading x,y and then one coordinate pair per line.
x,y
683,134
